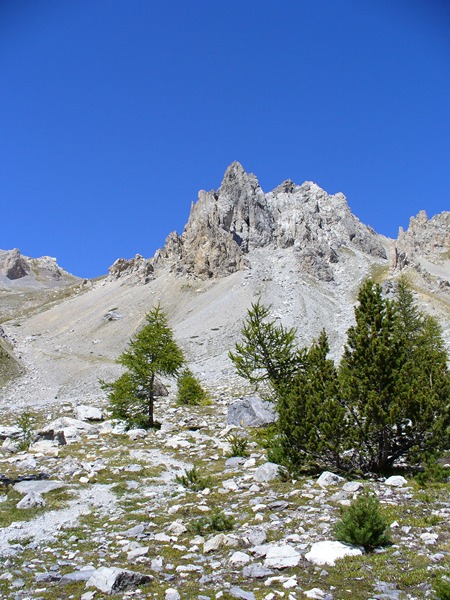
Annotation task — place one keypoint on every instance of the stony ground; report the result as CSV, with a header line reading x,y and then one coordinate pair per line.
x,y
247,534
117,503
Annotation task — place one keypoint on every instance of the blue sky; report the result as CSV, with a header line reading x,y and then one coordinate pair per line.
x,y
114,113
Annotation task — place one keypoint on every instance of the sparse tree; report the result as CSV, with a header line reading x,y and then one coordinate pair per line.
x,y
151,352
268,352
368,376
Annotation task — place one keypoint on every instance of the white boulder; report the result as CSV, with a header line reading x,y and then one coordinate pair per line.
x,y
327,478
281,557
327,553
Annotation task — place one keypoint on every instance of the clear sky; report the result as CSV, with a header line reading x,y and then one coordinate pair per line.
x,y
114,113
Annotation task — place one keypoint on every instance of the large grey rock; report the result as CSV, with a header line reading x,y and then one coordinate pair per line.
x,y
267,472
257,537
352,486
10,432
395,481
31,500
327,478
82,575
281,557
239,558
256,571
111,580
84,412
46,447
38,487
251,411
219,541
67,430
238,592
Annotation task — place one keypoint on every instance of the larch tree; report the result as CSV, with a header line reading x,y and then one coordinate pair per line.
x,y
151,352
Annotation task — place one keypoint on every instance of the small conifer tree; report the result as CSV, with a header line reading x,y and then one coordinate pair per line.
x,y
268,352
442,587
190,390
151,352
363,524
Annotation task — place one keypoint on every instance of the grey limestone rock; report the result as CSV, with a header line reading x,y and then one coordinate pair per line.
x,y
251,411
111,580
225,225
140,268
38,487
238,592
81,575
424,239
31,500
327,478
327,552
10,432
266,472
13,265
256,571
281,557
16,269
88,413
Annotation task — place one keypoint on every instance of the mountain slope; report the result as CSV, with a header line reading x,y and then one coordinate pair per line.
x,y
297,248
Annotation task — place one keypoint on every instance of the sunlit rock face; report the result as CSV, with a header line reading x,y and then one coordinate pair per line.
x,y
226,225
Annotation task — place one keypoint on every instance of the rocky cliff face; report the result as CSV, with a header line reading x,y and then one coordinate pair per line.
x,y
224,227
17,270
424,239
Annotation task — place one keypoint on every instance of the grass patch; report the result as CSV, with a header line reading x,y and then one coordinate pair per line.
x,y
9,513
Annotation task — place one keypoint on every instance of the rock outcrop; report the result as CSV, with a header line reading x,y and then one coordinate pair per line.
x,y
138,266
226,225
425,238
23,271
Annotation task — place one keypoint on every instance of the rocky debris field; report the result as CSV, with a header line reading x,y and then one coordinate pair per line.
x,y
90,510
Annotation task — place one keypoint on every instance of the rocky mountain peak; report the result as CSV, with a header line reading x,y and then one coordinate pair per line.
x,y
226,225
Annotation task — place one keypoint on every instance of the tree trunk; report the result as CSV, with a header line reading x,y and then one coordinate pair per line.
x,y
151,387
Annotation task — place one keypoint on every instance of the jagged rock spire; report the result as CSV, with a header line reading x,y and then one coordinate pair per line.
x,y
226,225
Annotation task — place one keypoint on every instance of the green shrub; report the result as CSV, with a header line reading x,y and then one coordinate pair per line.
x,y
363,524
238,444
25,424
432,473
442,587
216,521
193,480
190,390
